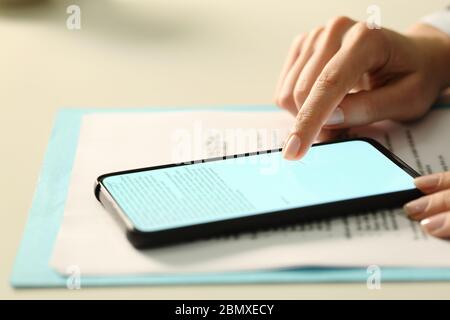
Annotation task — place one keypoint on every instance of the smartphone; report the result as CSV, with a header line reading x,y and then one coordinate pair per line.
x,y
175,203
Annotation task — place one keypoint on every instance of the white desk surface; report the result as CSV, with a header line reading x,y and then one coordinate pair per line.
x,y
154,53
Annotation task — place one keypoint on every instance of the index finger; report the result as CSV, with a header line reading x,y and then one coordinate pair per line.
x,y
358,55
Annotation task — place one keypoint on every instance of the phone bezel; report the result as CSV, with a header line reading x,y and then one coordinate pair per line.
x,y
148,239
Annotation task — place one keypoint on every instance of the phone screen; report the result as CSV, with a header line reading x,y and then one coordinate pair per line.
x,y
217,190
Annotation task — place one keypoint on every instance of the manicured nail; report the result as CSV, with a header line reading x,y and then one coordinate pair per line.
x,y
292,147
427,182
337,117
417,206
434,223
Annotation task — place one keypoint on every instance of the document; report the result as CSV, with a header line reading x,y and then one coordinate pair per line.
x,y
93,241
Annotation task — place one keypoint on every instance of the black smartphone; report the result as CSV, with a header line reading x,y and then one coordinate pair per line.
x,y
174,203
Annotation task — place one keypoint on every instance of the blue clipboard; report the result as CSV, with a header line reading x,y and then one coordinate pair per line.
x,y
31,268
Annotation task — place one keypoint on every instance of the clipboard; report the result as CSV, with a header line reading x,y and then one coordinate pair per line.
x,y
31,268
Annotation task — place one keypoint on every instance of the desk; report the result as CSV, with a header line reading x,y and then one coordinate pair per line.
x,y
153,53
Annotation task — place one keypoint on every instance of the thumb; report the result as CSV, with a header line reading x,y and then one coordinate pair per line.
x,y
392,101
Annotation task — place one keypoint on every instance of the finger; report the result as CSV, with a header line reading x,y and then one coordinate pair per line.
x,y
428,205
363,52
438,225
433,182
292,56
328,44
286,98
387,102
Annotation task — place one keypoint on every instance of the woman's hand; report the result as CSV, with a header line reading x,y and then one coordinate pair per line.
x,y
433,209
345,74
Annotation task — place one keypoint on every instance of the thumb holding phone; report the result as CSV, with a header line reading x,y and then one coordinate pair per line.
x,y
433,209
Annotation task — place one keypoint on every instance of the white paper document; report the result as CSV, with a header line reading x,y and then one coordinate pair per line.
x,y
93,241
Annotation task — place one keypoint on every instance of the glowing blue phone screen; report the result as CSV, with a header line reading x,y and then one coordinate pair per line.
x,y
236,187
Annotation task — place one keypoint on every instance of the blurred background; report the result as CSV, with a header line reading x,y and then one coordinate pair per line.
x,y
133,53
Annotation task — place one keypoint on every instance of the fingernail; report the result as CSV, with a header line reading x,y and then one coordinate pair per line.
x,y
417,206
434,223
292,147
337,117
427,182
